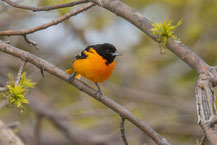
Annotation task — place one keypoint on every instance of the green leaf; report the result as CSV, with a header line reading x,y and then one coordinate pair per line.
x,y
18,89
9,87
165,30
26,82
12,100
20,96
179,23
19,103
16,93
23,77
25,101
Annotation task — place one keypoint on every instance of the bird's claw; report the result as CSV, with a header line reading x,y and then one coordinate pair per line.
x,y
99,94
71,78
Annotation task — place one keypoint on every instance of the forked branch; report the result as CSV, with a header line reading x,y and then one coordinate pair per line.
x,y
205,100
204,93
122,129
40,63
44,26
137,19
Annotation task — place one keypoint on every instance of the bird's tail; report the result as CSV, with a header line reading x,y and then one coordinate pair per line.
x,y
71,71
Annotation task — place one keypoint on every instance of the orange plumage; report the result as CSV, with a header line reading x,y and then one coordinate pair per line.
x,y
93,67
95,63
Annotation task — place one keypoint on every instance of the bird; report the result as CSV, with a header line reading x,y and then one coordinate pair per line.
x,y
96,63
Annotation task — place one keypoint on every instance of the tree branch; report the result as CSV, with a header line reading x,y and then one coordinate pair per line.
x,y
47,8
123,136
206,111
183,52
40,63
20,72
44,26
33,43
204,95
203,139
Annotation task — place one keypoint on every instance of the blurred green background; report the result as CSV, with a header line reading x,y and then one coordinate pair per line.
x,y
159,89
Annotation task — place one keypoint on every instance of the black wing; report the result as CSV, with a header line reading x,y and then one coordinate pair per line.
x,y
82,55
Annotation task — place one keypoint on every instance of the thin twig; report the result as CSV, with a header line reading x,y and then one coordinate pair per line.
x,y
123,136
46,25
203,139
33,43
47,8
20,72
137,19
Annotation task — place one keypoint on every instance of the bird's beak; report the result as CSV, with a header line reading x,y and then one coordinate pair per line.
x,y
116,54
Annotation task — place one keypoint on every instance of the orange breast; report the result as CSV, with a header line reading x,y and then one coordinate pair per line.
x,y
93,67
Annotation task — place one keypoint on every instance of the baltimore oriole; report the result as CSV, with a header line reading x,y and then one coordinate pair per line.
x,y
95,63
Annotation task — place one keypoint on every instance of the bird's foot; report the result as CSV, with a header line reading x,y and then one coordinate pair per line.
x,y
71,78
99,93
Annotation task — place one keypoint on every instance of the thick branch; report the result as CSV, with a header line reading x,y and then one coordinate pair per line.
x,y
203,139
204,94
206,111
183,52
7,137
213,74
210,134
40,63
44,26
47,8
